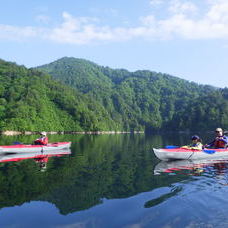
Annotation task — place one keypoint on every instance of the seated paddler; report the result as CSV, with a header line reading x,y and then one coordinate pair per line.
x,y
43,140
220,141
196,143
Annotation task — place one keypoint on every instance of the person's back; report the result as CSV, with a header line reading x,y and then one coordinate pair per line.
x,y
43,140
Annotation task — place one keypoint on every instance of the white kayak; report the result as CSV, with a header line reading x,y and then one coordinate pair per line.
x,y
19,148
190,154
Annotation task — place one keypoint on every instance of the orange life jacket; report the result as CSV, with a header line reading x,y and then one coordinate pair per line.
x,y
42,141
219,144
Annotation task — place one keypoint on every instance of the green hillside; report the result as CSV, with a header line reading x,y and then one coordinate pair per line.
x,y
144,99
78,95
31,100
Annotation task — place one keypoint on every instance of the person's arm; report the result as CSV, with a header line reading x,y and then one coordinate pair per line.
x,y
37,140
210,144
225,140
185,147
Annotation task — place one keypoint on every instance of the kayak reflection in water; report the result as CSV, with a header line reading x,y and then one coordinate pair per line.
x,y
217,169
196,143
220,141
42,162
43,140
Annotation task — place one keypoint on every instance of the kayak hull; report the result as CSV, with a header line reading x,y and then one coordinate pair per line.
x,y
21,148
190,154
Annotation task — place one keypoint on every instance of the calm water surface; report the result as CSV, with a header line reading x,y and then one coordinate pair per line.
x,y
112,181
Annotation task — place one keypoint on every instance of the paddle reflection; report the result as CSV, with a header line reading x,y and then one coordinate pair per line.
x,y
161,199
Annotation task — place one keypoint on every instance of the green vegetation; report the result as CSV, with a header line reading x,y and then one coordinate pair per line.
x,y
31,100
145,100
77,95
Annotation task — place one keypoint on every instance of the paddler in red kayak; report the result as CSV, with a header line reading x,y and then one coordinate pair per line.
x,y
43,140
220,141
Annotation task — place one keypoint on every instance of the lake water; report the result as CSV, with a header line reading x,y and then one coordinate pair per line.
x,y
112,181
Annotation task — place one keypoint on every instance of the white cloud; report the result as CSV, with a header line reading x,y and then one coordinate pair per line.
x,y
177,6
156,2
79,31
179,23
218,13
8,32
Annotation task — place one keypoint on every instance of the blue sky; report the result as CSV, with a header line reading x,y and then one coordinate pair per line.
x,y
184,38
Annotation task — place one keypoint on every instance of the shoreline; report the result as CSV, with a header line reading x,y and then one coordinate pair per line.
x,y
14,133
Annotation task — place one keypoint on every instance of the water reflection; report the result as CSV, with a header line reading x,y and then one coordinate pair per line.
x,y
217,169
38,156
107,175
100,167
162,198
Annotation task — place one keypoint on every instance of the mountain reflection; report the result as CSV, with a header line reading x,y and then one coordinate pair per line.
x,y
99,167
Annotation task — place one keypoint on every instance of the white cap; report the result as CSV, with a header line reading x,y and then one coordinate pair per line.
x,y
43,133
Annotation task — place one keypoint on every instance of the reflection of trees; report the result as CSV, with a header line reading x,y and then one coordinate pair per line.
x,y
106,166
111,167
19,183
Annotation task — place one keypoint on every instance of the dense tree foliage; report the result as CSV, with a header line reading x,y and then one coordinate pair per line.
x,y
77,95
144,99
31,100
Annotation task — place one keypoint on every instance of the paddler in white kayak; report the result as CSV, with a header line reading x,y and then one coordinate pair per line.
x,y
220,141
196,143
43,140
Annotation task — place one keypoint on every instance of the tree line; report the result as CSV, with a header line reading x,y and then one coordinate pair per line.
x,y
78,95
144,100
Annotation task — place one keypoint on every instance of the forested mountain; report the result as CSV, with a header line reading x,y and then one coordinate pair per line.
x,y
78,95
144,99
32,100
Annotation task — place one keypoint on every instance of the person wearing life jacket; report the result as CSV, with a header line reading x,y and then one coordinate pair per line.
x,y
196,143
43,140
220,141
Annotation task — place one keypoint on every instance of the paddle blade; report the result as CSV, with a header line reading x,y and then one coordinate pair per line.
x,y
171,147
17,143
209,151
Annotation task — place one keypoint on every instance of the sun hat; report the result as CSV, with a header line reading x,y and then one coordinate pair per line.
x,y
194,137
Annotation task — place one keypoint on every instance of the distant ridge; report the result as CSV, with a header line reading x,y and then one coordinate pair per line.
x,y
143,99
76,95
